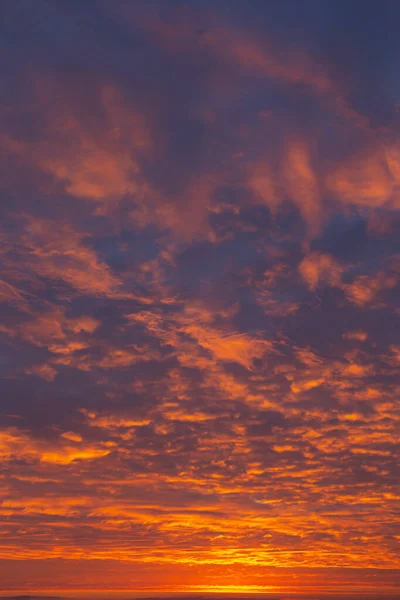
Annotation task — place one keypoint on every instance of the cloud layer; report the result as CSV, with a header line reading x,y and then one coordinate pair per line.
x,y
199,289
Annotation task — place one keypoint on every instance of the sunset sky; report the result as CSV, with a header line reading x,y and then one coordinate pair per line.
x,y
200,296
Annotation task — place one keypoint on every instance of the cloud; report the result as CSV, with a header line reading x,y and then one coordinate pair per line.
x,y
44,371
368,179
95,164
58,252
316,268
199,299
366,289
301,183
238,49
18,445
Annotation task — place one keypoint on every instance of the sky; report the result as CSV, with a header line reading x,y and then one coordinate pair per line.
x,y
199,288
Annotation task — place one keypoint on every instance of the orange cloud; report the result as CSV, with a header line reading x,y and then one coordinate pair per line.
x,y
301,183
46,372
237,347
236,48
12,295
316,268
58,252
99,165
58,332
262,182
360,336
366,289
69,454
369,179
15,443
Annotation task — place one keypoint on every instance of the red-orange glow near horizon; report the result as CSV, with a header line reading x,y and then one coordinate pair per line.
x,y
200,298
